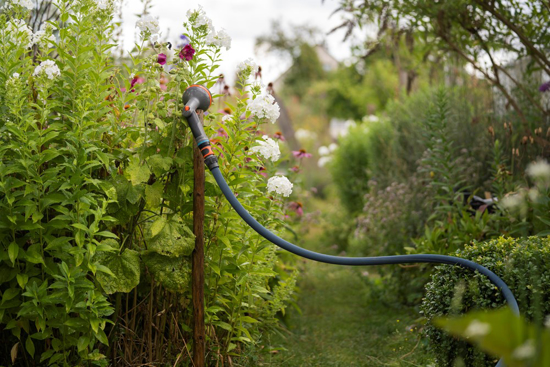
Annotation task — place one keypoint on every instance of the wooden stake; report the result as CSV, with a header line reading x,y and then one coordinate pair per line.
x,y
199,339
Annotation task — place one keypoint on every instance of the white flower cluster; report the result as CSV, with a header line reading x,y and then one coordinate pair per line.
x,y
265,107
149,24
303,134
29,4
325,153
268,148
12,81
219,39
247,67
19,33
226,118
48,67
198,19
539,170
280,185
43,39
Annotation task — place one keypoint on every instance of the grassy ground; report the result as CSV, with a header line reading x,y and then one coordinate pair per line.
x,y
340,325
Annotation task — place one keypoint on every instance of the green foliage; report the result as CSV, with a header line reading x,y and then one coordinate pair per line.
x,y
502,333
349,168
95,183
521,263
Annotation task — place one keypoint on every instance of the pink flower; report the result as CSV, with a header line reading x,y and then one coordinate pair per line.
x,y
296,207
136,80
161,59
221,132
301,153
187,52
295,169
279,136
260,171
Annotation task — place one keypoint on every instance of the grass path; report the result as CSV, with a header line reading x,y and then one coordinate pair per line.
x,y
340,326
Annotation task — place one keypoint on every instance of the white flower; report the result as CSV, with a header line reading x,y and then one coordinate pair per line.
x,y
303,134
19,33
226,118
15,76
324,151
268,148
29,4
43,40
477,329
148,24
332,147
539,170
265,107
198,18
525,351
103,4
219,39
247,67
280,185
323,161
371,118
48,67
154,38
513,201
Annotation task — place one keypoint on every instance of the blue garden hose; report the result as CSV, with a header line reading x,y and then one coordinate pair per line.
x,y
196,96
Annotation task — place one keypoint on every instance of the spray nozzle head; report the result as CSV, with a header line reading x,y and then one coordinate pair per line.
x,y
196,97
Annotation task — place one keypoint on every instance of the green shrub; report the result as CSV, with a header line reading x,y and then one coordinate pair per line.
x,y
349,168
521,263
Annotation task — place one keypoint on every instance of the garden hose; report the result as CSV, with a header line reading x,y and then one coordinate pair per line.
x,y
194,95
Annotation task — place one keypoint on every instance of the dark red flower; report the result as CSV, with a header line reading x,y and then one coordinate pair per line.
x,y
187,52
161,59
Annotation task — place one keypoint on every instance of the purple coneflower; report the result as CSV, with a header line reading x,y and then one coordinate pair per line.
x,y
187,52
295,169
279,135
297,207
301,153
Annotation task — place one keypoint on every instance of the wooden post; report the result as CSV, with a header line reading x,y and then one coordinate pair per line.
x,y
199,339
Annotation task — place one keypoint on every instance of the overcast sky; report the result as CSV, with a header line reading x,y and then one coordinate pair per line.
x,y
244,20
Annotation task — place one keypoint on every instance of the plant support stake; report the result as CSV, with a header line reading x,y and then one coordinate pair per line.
x,y
197,271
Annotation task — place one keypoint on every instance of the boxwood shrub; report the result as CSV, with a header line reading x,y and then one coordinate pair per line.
x,y
523,263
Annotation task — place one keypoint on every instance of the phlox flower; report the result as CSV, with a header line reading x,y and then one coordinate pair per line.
x,y
148,24
268,148
280,185
49,68
265,107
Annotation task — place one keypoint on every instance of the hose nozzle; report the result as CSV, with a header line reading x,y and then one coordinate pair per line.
x,y
197,97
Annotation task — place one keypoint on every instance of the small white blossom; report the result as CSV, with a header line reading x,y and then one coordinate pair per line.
x,y
513,201
226,118
332,147
198,18
268,148
15,76
103,4
43,40
280,185
323,161
19,32
477,329
539,170
265,107
219,39
247,67
29,4
303,134
148,24
48,67
525,351
324,151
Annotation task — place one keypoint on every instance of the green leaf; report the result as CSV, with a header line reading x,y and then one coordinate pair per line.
x,y
153,194
100,335
13,251
170,237
124,267
159,164
136,172
83,342
107,234
172,272
29,346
